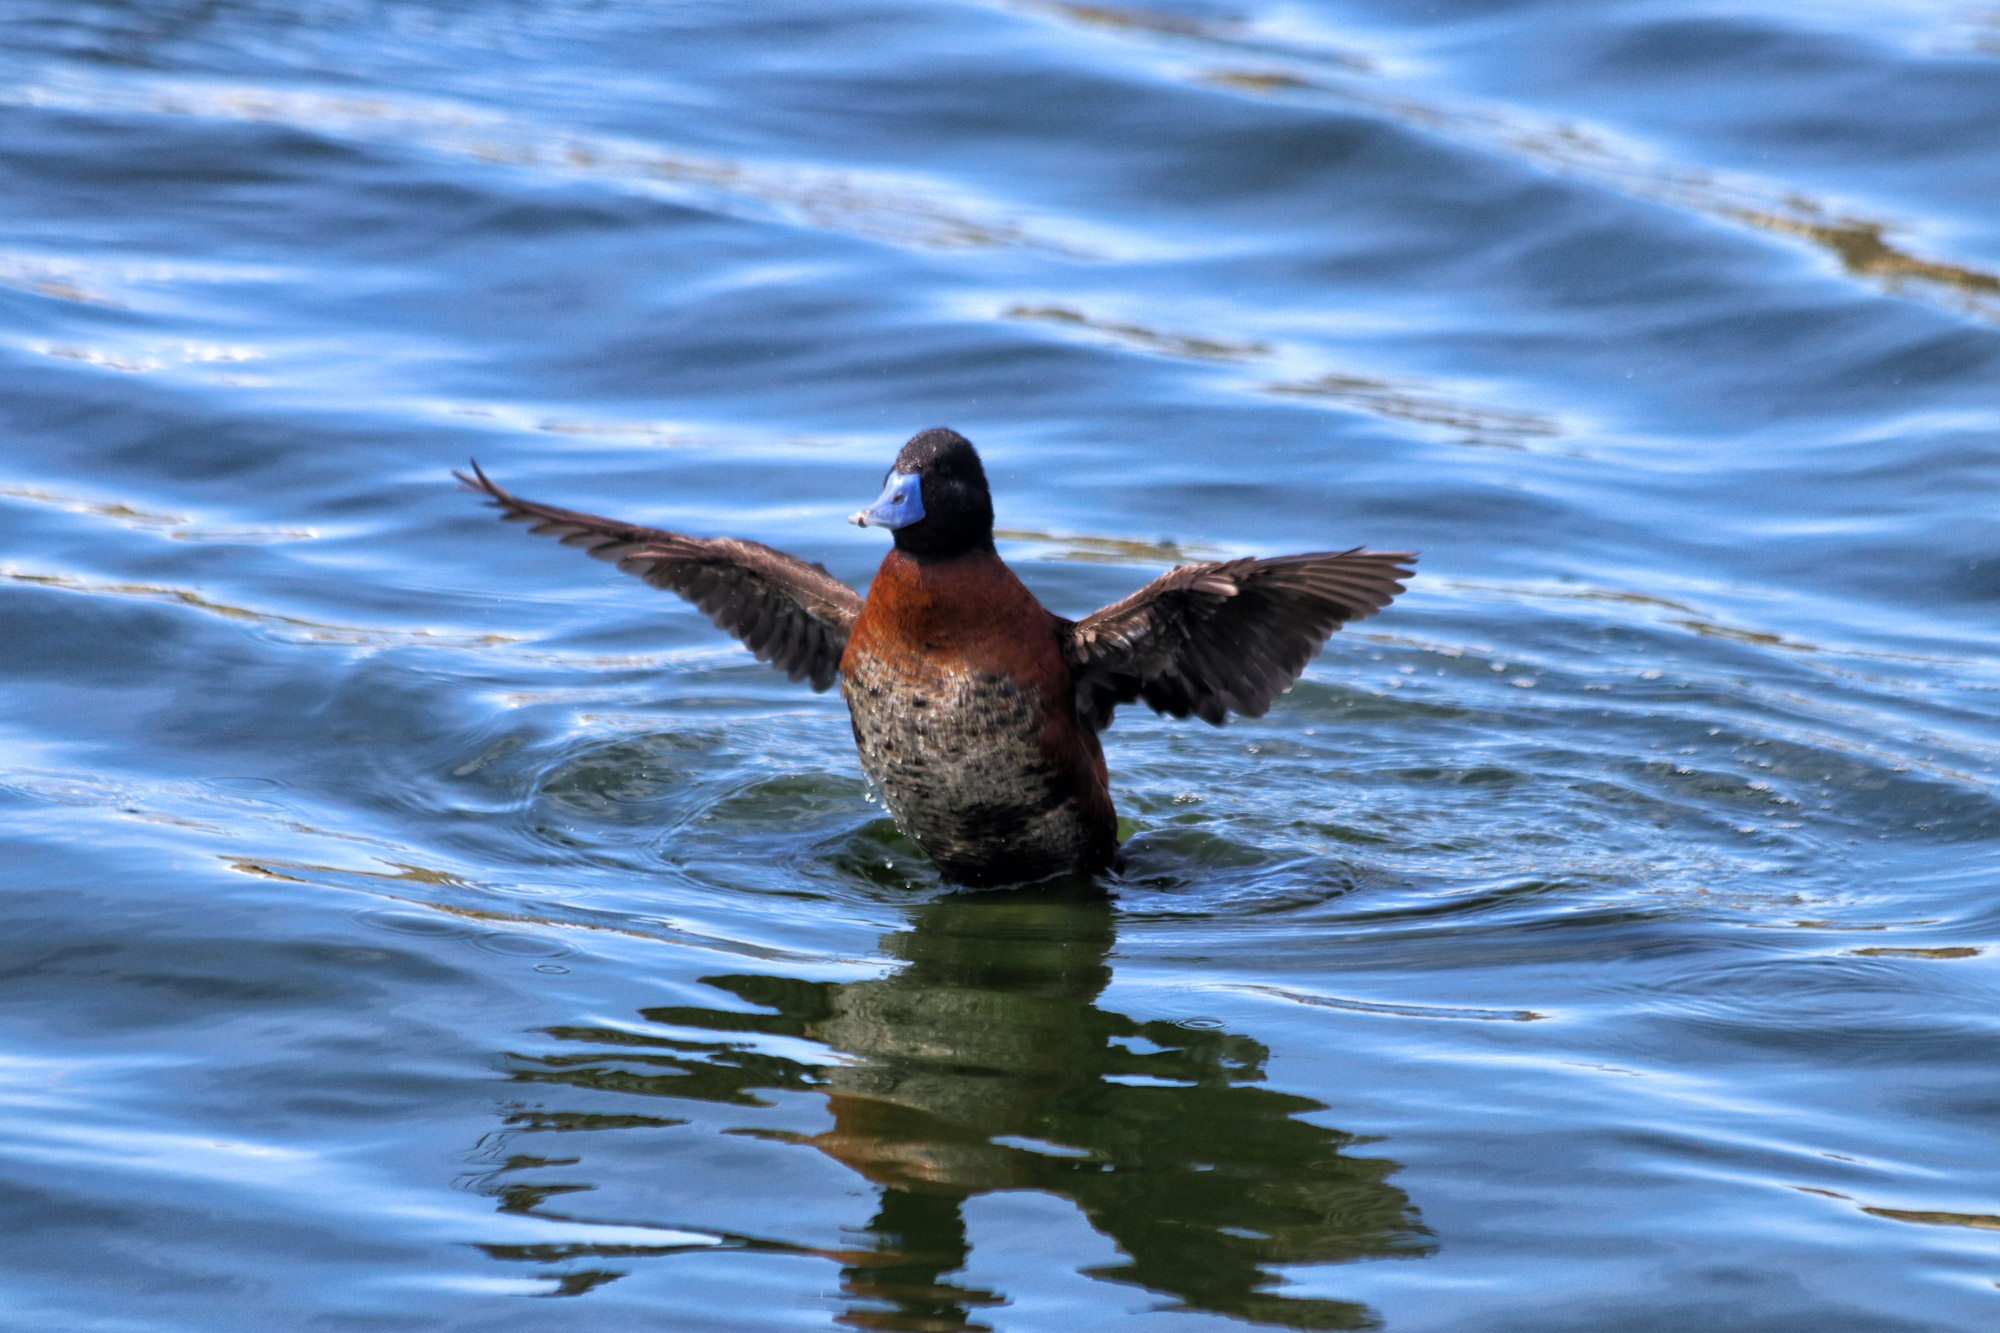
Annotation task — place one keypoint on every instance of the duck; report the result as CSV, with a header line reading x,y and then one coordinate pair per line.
x,y
976,711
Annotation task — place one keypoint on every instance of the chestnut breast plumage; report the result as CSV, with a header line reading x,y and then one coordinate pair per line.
x,y
965,717
976,710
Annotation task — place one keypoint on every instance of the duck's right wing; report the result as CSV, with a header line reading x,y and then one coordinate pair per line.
x,y
789,613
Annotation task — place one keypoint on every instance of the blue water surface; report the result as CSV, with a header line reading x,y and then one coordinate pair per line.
x,y
412,925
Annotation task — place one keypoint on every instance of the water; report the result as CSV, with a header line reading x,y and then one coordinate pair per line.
x,y
413,925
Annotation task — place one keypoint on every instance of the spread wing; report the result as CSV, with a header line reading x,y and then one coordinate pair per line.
x,y
789,613
1227,637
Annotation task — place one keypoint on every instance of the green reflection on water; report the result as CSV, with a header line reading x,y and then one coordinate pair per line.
x,y
985,1063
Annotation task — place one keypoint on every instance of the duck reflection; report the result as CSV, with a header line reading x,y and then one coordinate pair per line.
x,y
985,1063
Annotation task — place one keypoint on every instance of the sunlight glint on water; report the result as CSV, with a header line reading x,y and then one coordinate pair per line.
x,y
412,925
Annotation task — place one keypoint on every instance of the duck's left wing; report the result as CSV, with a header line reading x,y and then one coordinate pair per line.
x,y
791,614
1225,637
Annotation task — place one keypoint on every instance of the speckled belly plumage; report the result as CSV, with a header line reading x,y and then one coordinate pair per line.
x,y
958,756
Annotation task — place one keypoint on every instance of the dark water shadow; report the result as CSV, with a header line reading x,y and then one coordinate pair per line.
x,y
985,1063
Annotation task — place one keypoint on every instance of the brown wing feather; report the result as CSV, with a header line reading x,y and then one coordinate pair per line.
x,y
1225,637
789,613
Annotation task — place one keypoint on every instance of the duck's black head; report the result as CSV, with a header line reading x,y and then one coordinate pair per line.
x,y
935,498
